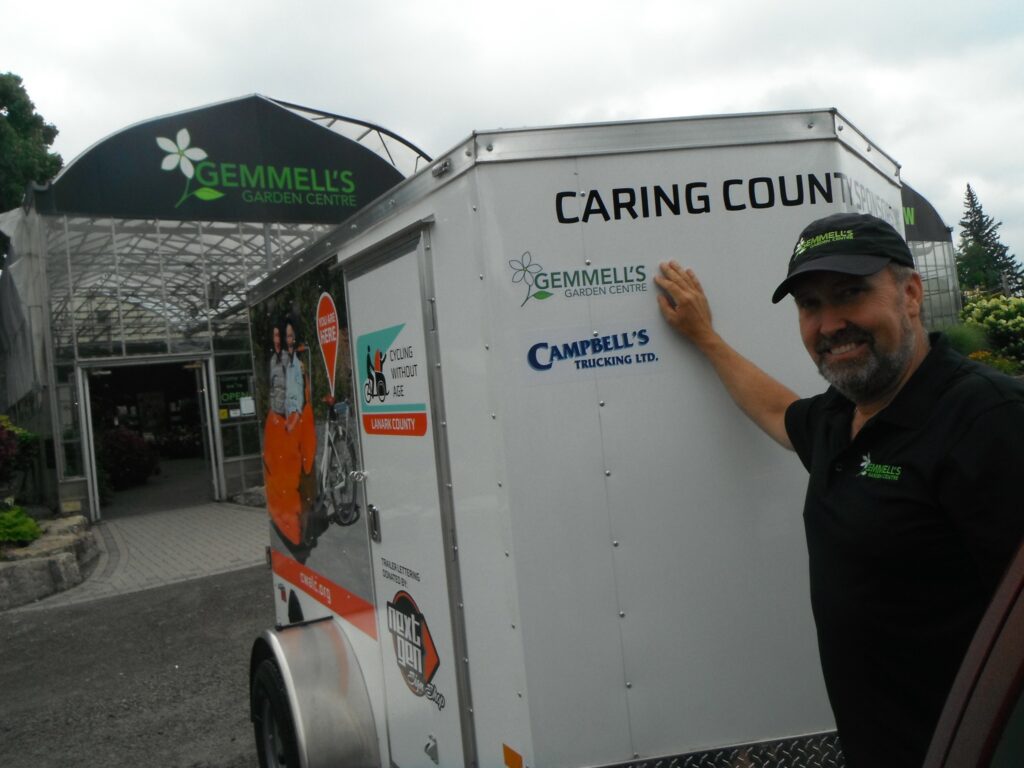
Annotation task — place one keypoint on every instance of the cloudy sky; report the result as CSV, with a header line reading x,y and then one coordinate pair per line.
x,y
937,84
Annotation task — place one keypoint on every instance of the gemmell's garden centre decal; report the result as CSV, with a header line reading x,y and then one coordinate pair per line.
x,y
540,284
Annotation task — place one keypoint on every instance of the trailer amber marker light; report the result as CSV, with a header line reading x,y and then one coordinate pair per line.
x,y
512,758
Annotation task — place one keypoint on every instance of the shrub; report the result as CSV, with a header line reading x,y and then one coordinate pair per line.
x,y
18,528
8,452
1000,363
967,338
18,447
126,457
1002,320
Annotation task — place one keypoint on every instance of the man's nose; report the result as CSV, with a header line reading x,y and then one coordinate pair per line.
x,y
831,320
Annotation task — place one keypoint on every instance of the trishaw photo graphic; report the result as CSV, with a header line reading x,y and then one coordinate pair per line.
x,y
376,384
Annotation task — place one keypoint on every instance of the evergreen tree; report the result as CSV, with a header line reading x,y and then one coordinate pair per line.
x,y
982,261
25,139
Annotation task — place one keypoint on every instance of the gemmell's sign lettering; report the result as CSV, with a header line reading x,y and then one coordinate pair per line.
x,y
244,160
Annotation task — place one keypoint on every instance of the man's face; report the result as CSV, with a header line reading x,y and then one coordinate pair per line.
x,y
277,339
289,337
859,330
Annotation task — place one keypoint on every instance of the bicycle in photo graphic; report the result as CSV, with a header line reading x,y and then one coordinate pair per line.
x,y
336,492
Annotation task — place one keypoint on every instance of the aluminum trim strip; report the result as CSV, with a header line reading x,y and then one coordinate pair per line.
x,y
655,135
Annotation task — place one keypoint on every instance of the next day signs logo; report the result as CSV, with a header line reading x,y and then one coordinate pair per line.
x,y
392,374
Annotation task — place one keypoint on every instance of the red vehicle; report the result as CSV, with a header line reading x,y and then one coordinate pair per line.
x,y
982,725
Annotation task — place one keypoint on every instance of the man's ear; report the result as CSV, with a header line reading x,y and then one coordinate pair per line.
x,y
913,290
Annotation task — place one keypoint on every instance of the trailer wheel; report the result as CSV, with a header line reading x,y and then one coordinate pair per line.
x,y
275,730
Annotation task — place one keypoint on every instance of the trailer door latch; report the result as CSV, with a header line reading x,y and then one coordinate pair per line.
x,y
358,475
373,517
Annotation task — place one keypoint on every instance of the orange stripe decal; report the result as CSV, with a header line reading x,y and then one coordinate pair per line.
x,y
353,608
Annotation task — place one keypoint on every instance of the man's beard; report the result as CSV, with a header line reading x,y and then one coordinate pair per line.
x,y
863,381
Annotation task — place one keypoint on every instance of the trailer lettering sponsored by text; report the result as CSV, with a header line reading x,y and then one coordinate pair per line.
x,y
397,572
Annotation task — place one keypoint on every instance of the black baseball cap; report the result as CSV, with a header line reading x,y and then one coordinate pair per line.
x,y
850,243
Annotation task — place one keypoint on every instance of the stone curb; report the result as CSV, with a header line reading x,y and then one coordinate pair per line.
x,y
54,562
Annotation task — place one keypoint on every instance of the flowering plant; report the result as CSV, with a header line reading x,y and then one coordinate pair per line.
x,y
1002,320
1000,363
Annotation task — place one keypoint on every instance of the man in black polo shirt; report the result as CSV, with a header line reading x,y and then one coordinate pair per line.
x,y
916,458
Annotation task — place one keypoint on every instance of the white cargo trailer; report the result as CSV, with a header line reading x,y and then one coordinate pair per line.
x,y
529,528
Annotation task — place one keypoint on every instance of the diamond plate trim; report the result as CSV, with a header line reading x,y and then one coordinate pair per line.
x,y
820,751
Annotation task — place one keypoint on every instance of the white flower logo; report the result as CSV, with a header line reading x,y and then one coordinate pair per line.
x,y
181,155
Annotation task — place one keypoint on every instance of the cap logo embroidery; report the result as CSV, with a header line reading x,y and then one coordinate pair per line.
x,y
804,245
870,469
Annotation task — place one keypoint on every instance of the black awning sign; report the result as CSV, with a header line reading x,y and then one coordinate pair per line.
x,y
245,160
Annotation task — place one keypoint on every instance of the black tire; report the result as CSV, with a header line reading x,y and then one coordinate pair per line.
x,y
349,509
342,504
272,721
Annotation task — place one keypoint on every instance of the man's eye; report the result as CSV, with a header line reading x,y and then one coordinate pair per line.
x,y
851,292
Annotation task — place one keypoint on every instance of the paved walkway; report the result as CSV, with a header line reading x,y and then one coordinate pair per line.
x,y
146,541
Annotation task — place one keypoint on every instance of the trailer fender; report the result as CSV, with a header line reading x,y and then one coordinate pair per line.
x,y
326,693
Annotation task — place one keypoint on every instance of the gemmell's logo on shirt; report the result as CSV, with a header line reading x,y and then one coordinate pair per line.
x,y
868,468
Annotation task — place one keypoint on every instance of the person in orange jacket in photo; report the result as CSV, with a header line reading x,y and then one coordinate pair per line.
x,y
289,437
